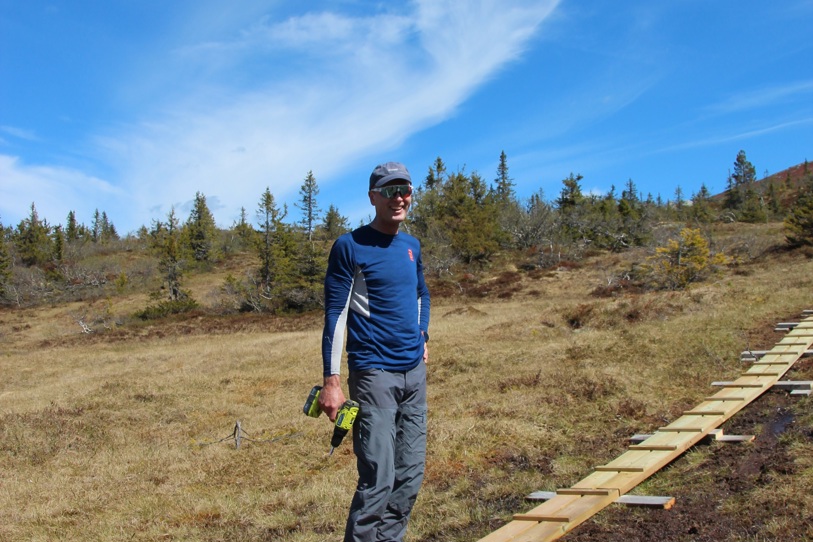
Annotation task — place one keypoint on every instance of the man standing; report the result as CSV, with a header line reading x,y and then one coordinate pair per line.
x,y
375,290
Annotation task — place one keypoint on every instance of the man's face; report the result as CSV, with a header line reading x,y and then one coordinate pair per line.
x,y
392,211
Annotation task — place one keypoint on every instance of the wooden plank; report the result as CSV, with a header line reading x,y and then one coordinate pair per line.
x,y
682,429
704,413
800,392
714,398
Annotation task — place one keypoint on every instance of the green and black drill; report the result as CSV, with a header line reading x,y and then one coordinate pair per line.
x,y
344,418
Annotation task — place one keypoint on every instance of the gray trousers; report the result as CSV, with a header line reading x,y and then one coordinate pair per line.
x,y
389,440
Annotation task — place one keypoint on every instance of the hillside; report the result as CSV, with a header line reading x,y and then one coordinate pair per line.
x,y
123,433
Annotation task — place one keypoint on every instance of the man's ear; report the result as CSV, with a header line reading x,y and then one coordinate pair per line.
x,y
370,195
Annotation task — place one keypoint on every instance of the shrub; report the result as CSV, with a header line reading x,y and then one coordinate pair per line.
x,y
683,261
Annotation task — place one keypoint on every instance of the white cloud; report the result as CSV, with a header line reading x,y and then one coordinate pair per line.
x,y
763,97
54,190
367,84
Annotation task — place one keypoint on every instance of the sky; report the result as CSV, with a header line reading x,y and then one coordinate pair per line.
x,y
133,108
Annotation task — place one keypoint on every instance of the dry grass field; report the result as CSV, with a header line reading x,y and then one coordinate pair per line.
x,y
116,435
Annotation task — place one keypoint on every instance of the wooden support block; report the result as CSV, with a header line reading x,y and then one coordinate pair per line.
x,y
629,500
586,491
800,392
787,325
739,384
794,384
640,437
681,429
650,502
712,398
736,438
805,344
608,468
541,517
704,413
759,363
717,434
654,447
755,355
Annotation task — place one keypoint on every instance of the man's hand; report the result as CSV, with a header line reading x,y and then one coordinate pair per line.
x,y
331,398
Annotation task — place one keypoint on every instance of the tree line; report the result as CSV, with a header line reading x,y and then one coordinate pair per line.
x,y
462,219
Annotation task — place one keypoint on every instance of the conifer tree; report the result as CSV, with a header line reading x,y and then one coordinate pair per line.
x,y
269,218
334,224
167,244
32,239
5,265
307,203
504,184
243,229
71,229
200,230
799,222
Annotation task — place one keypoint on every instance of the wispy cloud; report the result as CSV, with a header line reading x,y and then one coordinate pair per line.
x,y
19,133
763,97
369,83
54,190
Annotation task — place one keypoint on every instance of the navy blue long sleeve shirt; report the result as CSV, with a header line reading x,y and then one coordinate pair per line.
x,y
375,290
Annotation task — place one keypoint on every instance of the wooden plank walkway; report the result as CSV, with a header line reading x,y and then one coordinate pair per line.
x,y
608,483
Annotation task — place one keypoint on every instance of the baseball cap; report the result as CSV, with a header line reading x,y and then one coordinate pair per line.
x,y
384,173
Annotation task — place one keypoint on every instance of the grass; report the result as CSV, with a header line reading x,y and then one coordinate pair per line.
x,y
115,435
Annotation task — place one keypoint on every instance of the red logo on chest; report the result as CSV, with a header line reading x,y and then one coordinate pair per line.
x,y
411,257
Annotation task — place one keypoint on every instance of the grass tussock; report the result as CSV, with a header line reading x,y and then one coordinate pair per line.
x,y
124,433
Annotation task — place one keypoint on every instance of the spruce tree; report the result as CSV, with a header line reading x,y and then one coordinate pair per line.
x,y
200,231
269,220
5,265
334,224
799,222
307,203
32,239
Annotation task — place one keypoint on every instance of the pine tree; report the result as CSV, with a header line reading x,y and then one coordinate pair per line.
x,y
244,230
200,231
742,178
799,222
96,227
32,239
504,184
334,224
270,223
72,229
307,202
59,244
167,244
5,265
436,175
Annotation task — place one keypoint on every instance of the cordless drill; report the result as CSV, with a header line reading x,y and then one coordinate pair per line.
x,y
344,417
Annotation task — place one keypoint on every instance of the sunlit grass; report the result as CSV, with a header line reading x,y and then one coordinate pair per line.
x,y
118,439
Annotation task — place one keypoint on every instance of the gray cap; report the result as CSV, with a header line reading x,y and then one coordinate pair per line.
x,y
384,173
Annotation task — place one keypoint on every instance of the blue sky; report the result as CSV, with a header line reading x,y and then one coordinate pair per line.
x,y
134,107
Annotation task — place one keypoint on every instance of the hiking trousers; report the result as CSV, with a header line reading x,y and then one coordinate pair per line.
x,y
389,440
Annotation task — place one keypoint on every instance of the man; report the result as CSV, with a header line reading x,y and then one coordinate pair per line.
x,y
375,290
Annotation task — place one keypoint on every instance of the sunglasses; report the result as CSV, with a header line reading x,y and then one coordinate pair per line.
x,y
390,191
